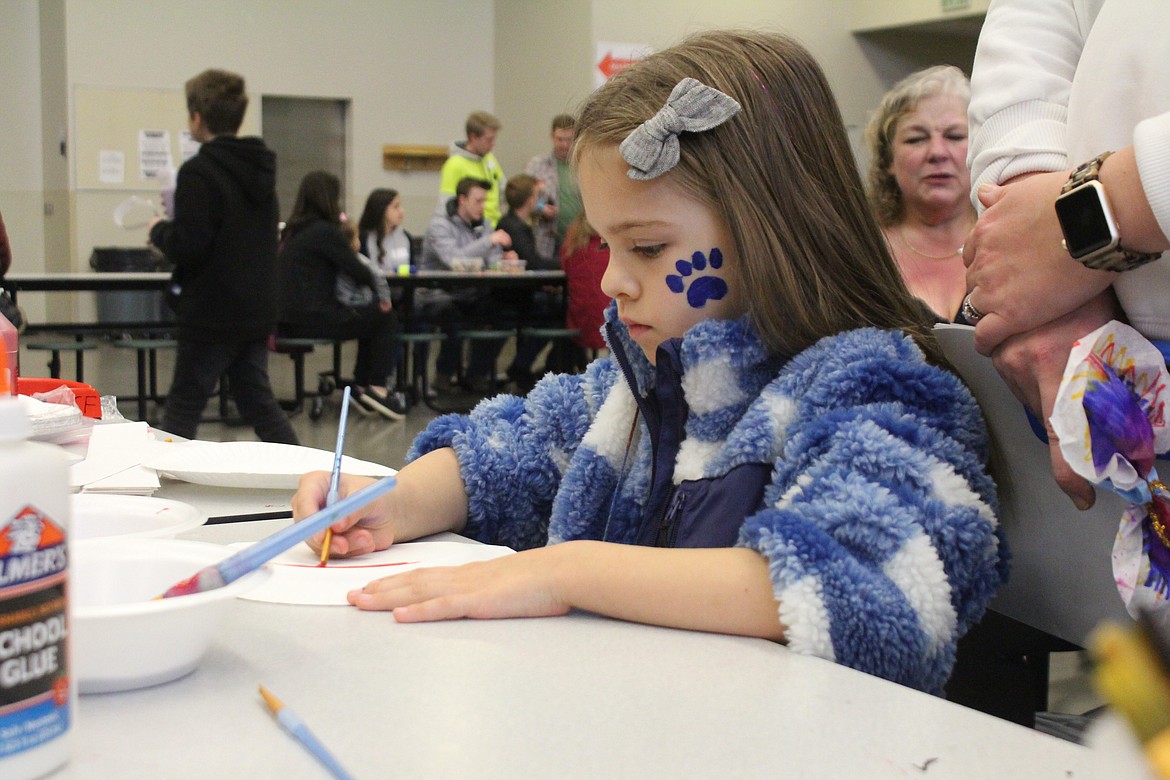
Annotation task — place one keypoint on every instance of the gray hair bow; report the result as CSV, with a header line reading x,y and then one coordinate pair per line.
x,y
652,149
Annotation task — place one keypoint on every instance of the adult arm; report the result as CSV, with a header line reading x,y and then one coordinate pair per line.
x,y
443,243
1032,364
1025,60
331,247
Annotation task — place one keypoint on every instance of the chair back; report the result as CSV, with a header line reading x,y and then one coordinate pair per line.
x,y
1062,577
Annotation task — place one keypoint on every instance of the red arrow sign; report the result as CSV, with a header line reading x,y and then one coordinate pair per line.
x,y
611,65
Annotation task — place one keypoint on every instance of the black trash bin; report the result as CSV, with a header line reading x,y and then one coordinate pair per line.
x,y
130,305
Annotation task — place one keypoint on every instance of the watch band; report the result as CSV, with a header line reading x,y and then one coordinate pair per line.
x,y
1119,258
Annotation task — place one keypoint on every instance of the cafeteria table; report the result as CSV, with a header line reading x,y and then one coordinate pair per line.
x,y
563,697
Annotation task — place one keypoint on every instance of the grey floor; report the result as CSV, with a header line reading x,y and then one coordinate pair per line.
x,y
112,372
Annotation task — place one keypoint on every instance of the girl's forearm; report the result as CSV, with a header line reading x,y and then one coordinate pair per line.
x,y
725,590
430,497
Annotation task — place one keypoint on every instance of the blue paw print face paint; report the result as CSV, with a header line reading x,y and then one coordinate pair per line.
x,y
696,278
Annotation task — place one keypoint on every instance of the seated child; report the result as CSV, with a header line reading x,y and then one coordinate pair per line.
x,y
771,449
356,293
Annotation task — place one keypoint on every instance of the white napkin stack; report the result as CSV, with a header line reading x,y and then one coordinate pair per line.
x,y
113,463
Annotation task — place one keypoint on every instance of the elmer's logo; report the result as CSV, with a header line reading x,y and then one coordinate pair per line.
x,y
28,531
32,546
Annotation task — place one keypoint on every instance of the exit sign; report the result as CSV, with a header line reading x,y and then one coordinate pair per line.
x,y
955,5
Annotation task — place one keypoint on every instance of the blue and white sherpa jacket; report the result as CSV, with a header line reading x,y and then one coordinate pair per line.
x,y
855,468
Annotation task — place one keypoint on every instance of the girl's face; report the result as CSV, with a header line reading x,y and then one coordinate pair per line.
x,y
930,154
671,259
394,214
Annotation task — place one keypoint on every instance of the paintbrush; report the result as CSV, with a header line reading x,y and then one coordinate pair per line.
x,y
335,475
253,557
297,728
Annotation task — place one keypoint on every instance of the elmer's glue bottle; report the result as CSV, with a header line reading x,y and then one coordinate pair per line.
x,y
37,696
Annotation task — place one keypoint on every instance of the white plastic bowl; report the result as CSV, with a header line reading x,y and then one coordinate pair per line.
x,y
123,638
97,516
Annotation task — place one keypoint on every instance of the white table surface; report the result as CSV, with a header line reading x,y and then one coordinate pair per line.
x,y
574,696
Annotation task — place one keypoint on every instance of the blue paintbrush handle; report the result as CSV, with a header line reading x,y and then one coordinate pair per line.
x,y
255,556
301,732
335,475
251,558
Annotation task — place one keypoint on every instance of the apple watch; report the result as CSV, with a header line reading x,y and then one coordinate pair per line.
x,y
1090,231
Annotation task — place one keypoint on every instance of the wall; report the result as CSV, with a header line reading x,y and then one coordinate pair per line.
x,y
20,155
387,57
823,27
413,69
544,54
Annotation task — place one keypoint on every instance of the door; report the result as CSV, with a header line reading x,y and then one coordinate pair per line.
x,y
307,134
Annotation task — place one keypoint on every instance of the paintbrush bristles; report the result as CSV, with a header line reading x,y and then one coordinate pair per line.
x,y
208,578
274,704
325,546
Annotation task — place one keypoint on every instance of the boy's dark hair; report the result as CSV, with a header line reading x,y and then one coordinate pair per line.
x,y
564,122
518,190
219,97
468,183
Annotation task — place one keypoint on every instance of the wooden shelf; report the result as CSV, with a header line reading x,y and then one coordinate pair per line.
x,y
397,157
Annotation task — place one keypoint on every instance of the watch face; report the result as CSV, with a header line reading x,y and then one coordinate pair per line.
x,y
1085,220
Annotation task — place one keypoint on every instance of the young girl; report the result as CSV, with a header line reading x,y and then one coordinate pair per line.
x,y
380,230
355,293
769,450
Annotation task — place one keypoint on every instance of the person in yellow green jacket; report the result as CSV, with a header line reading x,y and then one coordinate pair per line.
x,y
473,158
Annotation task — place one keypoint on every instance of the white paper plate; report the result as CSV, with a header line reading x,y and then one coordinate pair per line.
x,y
134,213
97,516
250,464
297,578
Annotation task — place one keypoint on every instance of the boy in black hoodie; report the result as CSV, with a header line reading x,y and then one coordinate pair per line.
x,y
223,243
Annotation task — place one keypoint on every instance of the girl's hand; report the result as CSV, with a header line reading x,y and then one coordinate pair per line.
x,y
366,530
520,585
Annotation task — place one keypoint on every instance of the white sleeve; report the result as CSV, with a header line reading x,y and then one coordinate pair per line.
x,y
1025,60
1151,145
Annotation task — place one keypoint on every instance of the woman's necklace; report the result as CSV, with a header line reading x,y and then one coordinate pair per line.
x,y
917,251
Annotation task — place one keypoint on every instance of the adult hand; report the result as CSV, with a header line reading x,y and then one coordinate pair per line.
x,y
501,238
1032,364
385,306
366,530
520,585
150,226
1019,275
511,255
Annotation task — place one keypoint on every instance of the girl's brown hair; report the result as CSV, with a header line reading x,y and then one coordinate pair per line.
x,y
578,234
781,175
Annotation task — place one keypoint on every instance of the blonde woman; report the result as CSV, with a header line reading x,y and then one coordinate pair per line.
x,y
919,184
